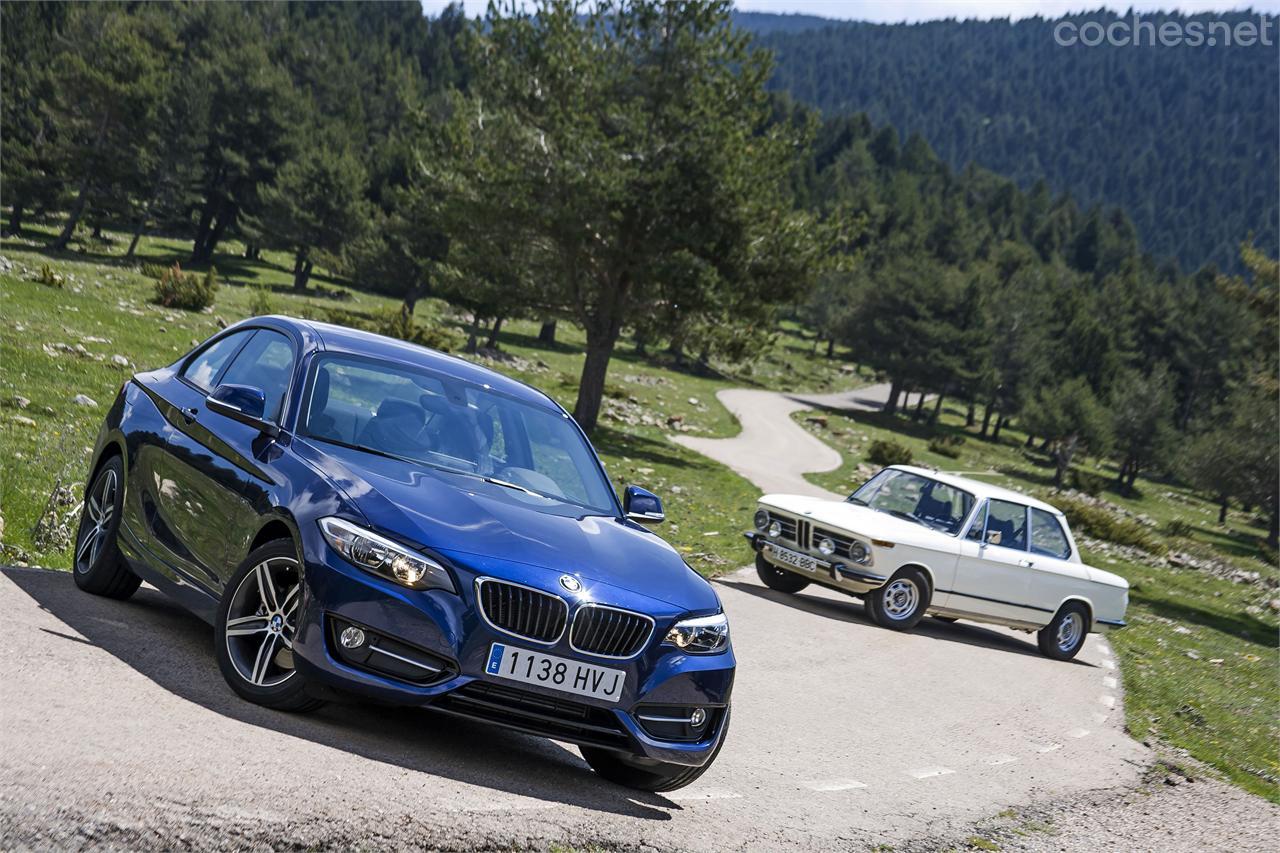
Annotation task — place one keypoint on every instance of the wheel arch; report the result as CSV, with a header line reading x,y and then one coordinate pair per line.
x,y
1077,599
928,575
112,449
277,527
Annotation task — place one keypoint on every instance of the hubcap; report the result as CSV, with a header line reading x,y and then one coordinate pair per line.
x,y
99,508
1070,631
900,598
261,622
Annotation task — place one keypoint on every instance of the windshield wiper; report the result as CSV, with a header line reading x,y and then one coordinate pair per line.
x,y
856,501
519,488
396,456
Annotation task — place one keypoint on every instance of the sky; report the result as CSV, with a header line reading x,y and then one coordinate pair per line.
x,y
888,11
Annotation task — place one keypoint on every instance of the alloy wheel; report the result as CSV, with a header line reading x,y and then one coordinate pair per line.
x,y
1070,630
901,598
261,622
99,506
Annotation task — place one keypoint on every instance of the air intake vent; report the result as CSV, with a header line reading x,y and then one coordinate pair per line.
x,y
523,611
609,632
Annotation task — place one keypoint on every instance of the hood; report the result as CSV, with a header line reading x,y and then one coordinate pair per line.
x,y
850,517
465,517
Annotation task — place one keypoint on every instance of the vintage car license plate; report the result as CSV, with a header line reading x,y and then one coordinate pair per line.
x,y
557,673
795,558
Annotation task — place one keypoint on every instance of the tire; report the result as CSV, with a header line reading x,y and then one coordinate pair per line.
x,y
645,775
947,619
1064,636
254,627
901,603
96,563
776,578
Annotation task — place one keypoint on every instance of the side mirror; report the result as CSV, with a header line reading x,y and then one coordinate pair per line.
x,y
993,537
242,403
642,505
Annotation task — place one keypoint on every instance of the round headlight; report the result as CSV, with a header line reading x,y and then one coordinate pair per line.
x,y
761,519
858,552
826,546
775,529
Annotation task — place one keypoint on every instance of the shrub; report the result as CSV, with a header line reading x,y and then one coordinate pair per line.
x,y
260,301
1100,523
176,289
151,270
49,278
1083,481
398,323
881,452
1178,528
946,445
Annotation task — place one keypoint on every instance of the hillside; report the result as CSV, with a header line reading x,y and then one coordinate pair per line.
x,y
1183,138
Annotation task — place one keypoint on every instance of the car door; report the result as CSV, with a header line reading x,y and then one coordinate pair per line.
x,y
992,577
219,469
1054,577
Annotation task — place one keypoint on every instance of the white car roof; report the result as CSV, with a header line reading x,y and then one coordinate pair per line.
x,y
979,489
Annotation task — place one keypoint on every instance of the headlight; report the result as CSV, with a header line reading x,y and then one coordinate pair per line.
x,y
859,554
826,546
775,529
703,635
762,519
380,555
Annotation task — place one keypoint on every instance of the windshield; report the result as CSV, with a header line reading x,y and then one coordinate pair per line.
x,y
915,498
435,420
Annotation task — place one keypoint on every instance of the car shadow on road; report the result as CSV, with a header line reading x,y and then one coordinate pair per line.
x,y
853,611
174,649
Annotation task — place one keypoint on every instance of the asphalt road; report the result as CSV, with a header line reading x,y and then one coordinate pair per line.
x,y
116,729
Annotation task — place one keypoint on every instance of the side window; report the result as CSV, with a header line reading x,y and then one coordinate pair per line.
x,y
1010,521
979,522
266,362
1047,536
203,369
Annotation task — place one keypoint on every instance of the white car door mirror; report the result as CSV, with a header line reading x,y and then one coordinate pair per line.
x,y
993,537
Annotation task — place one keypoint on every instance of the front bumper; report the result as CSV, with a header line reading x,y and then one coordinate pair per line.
x,y
834,573
447,631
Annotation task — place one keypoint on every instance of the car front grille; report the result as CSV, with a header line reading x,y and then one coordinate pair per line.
x,y
841,541
609,632
526,612
793,530
531,712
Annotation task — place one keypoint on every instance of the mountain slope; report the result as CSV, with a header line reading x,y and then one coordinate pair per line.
x,y
1183,138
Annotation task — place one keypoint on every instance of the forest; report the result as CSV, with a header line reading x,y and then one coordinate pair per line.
x,y
1183,138
632,171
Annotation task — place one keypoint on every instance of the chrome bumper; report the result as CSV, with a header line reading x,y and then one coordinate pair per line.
x,y
831,573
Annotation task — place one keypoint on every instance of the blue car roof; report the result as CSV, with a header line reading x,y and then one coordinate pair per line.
x,y
341,339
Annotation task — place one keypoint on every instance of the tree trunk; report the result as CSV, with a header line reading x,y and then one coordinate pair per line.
x,y
137,238
971,415
547,334
1031,441
301,271
1222,510
1133,476
1044,446
831,348
986,419
202,228
473,335
937,409
203,252
1273,537
492,343
891,405
600,344
995,433
251,251
97,230
15,216
919,406
73,218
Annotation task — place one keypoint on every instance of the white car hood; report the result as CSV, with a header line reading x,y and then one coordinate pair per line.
x,y
852,518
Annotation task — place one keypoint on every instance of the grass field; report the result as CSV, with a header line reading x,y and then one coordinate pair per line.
x,y
1199,657
104,307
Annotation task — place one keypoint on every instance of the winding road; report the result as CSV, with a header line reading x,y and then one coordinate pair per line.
x,y
116,728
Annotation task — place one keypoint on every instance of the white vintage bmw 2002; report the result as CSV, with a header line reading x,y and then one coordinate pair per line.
x,y
912,541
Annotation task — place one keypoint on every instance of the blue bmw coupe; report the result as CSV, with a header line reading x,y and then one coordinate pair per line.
x,y
359,515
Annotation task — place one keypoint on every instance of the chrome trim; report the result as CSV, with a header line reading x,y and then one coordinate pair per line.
x,y
433,670
573,617
568,615
688,721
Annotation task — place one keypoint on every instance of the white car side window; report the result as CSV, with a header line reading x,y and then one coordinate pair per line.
x,y
1010,521
1047,537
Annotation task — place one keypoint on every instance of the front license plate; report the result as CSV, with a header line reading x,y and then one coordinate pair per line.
x,y
794,558
571,676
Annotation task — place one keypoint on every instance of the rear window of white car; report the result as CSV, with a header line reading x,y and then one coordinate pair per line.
x,y
1047,536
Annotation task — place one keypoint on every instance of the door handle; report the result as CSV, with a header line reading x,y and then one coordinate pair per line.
x,y
190,413
1026,564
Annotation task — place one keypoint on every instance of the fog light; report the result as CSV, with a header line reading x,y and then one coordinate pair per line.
x,y
697,718
775,530
351,638
826,546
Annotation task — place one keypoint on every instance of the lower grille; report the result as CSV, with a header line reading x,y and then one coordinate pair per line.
x,y
609,632
520,610
840,540
543,715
